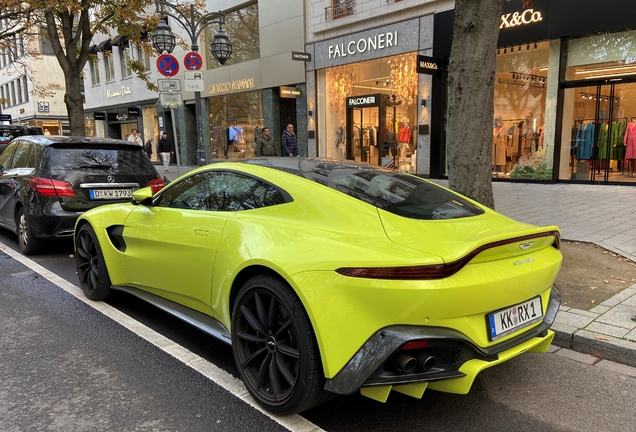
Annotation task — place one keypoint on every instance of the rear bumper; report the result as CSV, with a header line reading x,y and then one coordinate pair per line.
x,y
366,368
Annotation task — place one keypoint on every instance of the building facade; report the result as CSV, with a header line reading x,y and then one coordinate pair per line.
x,y
32,89
260,85
565,87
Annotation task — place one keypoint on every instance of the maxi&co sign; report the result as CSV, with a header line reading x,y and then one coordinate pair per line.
x,y
516,19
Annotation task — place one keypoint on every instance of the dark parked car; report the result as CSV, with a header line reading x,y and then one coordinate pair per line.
x,y
8,132
46,182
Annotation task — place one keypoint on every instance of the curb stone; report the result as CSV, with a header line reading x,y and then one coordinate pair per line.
x,y
584,341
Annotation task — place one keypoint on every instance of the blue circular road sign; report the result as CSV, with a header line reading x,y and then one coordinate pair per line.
x,y
193,61
167,65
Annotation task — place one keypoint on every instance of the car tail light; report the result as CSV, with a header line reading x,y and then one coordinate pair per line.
x,y
415,345
156,184
51,188
437,271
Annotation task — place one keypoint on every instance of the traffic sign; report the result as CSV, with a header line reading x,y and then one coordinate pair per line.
x,y
167,65
168,85
193,81
171,100
193,61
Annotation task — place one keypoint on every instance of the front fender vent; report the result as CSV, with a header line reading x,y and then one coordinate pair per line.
x,y
116,236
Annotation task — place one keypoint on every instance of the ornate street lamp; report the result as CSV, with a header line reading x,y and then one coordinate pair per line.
x,y
163,39
221,48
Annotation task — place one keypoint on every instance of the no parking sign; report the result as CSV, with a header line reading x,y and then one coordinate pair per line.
x,y
193,61
167,65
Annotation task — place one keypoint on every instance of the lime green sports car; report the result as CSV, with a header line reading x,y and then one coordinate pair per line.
x,y
328,277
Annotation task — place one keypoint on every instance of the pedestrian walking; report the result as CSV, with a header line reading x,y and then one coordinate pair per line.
x,y
290,142
265,145
148,148
136,138
165,147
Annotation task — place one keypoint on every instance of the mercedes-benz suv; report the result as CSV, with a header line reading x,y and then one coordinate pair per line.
x,y
46,182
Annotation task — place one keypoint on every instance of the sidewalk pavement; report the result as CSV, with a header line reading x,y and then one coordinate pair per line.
x,y
603,215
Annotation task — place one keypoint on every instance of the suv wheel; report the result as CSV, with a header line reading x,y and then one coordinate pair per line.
x,y
29,244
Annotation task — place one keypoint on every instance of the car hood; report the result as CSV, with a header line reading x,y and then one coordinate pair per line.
x,y
487,237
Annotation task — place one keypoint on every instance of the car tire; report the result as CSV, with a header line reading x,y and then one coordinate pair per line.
x,y
91,267
29,244
275,348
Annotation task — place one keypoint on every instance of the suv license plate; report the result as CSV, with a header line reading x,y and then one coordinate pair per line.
x,y
110,193
513,318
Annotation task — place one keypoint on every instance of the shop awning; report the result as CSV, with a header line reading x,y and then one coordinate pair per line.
x,y
120,41
105,46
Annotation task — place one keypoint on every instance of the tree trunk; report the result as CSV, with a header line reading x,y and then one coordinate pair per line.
x,y
471,98
74,103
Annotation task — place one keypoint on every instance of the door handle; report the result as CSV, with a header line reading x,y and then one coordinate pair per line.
x,y
202,233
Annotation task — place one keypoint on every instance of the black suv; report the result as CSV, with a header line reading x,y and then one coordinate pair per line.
x,y
46,182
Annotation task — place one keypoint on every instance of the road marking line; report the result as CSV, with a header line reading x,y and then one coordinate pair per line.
x,y
294,423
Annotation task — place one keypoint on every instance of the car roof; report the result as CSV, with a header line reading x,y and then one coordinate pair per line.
x,y
51,140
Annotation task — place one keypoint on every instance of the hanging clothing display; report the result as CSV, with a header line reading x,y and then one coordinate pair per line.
x,y
499,148
630,140
617,151
603,134
584,141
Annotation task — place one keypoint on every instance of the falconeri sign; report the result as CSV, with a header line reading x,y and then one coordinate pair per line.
x,y
371,43
516,19
361,101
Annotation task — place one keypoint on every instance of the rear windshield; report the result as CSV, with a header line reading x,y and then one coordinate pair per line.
x,y
121,159
401,194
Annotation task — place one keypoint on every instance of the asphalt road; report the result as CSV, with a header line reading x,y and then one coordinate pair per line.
x,y
67,366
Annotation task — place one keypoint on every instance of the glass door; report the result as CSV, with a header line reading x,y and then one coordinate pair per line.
x,y
596,133
364,143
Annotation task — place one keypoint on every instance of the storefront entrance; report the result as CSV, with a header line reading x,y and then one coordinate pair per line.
x,y
602,122
363,126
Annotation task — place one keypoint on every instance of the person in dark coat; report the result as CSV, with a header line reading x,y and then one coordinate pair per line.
x,y
148,148
290,142
265,145
165,149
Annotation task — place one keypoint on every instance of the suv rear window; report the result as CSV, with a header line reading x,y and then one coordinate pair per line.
x,y
392,191
122,159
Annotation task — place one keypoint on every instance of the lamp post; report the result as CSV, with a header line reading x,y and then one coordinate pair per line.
x,y
163,40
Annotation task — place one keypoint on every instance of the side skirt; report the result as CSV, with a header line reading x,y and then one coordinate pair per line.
x,y
203,322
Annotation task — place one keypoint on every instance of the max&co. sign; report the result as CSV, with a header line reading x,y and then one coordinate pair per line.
x,y
516,19
429,65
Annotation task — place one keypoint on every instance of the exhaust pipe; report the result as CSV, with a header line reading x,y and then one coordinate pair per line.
x,y
426,361
404,362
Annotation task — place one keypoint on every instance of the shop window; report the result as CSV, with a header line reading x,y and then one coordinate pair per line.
x,y
339,9
235,124
242,27
94,65
124,56
381,138
603,56
109,66
520,110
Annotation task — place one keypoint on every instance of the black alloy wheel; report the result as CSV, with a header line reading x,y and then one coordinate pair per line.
x,y
29,244
91,268
275,348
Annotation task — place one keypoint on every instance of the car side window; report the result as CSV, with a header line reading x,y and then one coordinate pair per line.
x,y
209,191
21,155
7,155
263,195
34,156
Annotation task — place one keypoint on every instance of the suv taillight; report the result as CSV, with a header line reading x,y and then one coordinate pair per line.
x,y
50,188
156,184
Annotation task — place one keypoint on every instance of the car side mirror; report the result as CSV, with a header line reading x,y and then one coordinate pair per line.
x,y
142,196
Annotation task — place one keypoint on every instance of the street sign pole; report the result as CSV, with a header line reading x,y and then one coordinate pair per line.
x,y
202,158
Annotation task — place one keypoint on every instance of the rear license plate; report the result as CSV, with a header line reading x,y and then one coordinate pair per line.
x,y
513,318
110,193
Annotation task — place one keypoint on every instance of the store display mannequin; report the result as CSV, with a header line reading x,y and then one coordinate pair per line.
x,y
404,137
341,141
528,136
629,141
